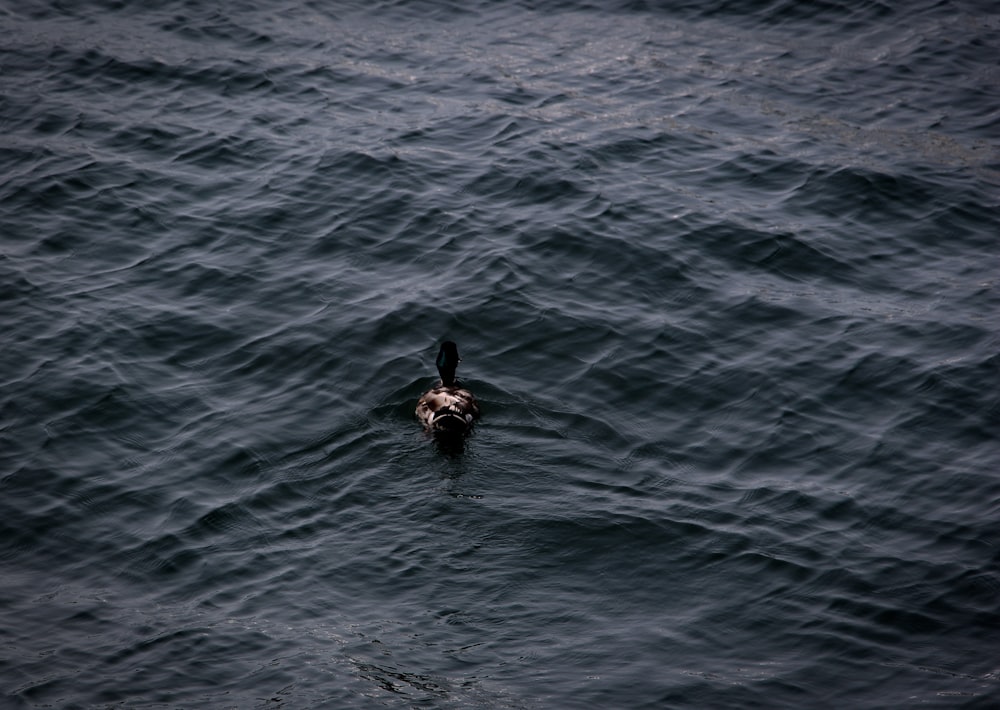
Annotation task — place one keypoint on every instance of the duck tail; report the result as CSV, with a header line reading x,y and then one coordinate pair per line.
x,y
450,422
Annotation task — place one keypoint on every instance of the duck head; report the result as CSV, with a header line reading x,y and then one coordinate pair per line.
x,y
447,361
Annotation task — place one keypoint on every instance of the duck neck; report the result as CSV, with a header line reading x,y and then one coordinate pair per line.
x,y
447,376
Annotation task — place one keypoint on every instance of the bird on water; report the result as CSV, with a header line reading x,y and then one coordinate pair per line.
x,y
448,408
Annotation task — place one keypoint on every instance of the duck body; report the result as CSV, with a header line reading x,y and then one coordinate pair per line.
x,y
448,408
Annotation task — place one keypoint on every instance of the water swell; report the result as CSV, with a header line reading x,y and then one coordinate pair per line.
x,y
728,330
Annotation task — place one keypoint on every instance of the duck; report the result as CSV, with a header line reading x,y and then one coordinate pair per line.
x,y
448,408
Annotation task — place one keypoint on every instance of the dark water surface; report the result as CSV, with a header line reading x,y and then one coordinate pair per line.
x,y
724,279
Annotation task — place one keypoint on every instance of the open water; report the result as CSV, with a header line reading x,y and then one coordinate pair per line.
x,y
724,278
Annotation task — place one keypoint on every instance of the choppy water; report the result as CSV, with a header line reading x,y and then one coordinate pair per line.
x,y
724,279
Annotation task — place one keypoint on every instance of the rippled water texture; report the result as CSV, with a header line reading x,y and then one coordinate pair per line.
x,y
723,277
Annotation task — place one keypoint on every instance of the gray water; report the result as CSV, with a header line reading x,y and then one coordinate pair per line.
x,y
724,279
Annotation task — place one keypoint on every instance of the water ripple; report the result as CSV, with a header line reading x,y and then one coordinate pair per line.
x,y
730,332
